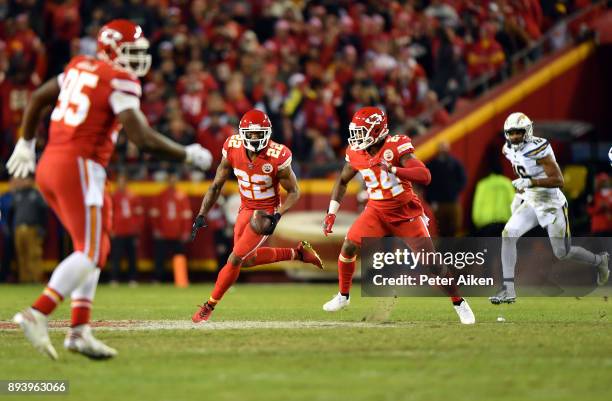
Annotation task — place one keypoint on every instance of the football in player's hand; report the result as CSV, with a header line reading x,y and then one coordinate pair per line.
x,y
260,222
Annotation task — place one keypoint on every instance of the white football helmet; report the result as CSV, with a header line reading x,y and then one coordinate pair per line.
x,y
518,122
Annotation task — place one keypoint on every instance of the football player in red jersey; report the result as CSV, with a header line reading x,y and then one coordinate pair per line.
x,y
260,166
93,97
388,167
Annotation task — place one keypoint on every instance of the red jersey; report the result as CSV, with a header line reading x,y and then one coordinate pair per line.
x,y
257,180
84,122
127,213
171,215
386,192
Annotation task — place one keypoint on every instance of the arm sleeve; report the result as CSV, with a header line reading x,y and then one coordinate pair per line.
x,y
414,170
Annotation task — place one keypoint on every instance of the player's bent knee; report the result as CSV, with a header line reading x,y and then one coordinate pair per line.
x,y
349,248
248,262
235,260
509,233
560,252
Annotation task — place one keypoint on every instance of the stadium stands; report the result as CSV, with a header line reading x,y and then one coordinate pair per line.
x,y
308,64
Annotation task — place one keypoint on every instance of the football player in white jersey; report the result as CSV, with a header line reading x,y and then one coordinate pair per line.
x,y
538,200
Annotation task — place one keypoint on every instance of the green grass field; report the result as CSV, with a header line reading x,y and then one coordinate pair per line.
x,y
548,349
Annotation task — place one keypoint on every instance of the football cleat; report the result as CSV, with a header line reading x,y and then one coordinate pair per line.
x,y
80,339
338,302
603,271
503,297
34,326
307,254
203,313
466,316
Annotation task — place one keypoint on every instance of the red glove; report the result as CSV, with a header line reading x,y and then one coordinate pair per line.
x,y
328,223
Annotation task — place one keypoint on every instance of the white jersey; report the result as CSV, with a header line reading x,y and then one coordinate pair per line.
x,y
544,201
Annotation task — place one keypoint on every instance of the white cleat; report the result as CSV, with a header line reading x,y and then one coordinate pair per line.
x,y
80,339
603,271
338,302
34,326
465,313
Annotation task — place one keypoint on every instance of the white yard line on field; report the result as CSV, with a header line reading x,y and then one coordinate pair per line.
x,y
143,325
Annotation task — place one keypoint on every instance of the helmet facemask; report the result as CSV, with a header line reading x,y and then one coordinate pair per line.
x,y
527,137
134,57
255,138
360,138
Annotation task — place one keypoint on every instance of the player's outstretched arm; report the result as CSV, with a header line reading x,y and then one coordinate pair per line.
x,y
211,196
287,180
146,138
46,95
412,170
23,159
346,175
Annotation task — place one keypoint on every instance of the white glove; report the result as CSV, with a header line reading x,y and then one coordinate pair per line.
x,y
198,156
23,160
522,183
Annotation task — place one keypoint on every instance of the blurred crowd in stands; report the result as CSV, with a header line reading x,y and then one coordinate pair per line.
x,y
308,64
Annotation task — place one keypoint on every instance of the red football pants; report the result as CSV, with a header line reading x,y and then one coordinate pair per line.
x,y
74,188
246,241
372,223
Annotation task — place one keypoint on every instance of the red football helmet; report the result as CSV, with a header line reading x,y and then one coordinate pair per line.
x,y
368,126
255,130
123,43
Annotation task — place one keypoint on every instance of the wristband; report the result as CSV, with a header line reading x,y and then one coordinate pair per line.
x,y
334,206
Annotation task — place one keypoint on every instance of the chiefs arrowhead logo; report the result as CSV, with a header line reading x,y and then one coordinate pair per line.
x,y
374,118
110,37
